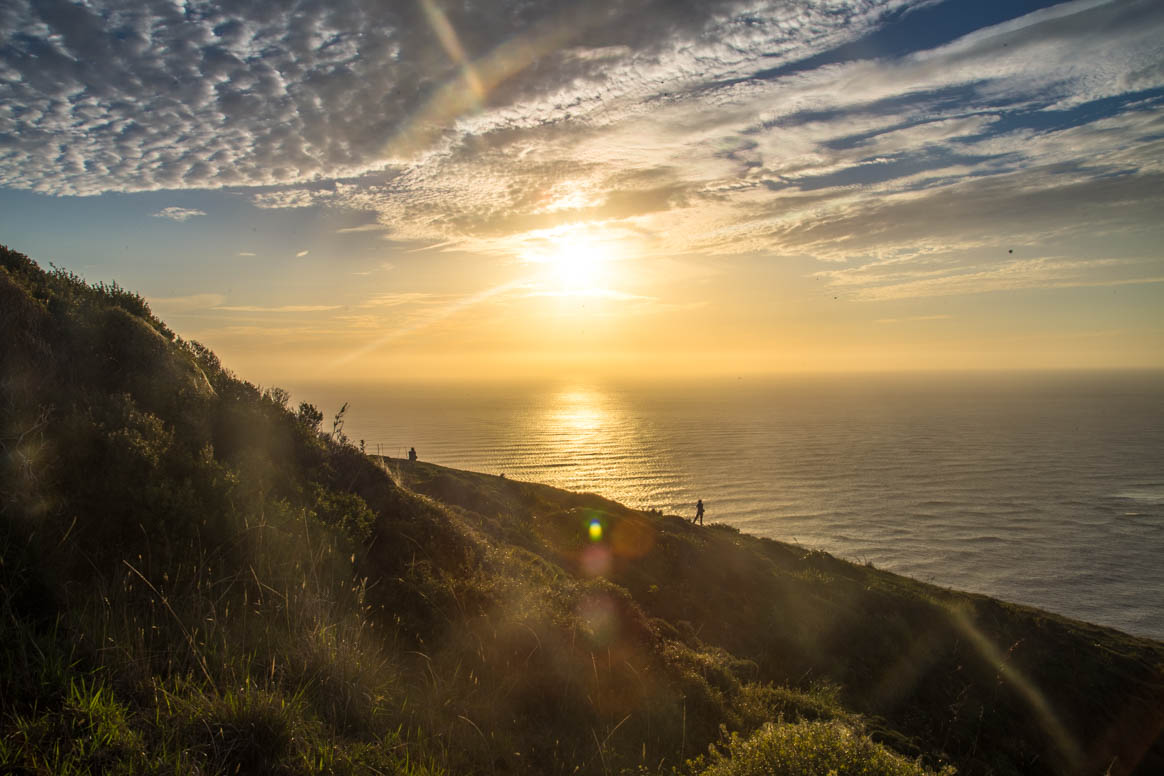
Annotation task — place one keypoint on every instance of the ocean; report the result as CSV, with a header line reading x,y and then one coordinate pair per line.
x,y
1039,488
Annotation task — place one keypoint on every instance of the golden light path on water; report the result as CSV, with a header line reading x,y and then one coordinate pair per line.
x,y
593,430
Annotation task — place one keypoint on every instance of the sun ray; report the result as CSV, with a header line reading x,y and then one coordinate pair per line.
x,y
439,314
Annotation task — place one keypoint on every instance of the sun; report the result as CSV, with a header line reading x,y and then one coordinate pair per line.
x,y
575,266
572,260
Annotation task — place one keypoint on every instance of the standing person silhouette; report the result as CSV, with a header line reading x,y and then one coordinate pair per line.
x,y
698,512
412,455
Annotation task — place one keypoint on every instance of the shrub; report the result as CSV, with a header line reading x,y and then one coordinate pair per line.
x,y
811,749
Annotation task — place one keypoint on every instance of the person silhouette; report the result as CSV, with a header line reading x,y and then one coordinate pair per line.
x,y
412,455
698,512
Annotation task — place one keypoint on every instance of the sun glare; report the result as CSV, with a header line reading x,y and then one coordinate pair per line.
x,y
571,261
575,267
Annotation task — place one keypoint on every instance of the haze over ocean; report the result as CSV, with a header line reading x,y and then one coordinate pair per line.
x,y
1041,488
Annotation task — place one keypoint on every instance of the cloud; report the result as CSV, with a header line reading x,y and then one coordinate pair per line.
x,y
246,253
384,267
855,132
401,298
374,227
907,280
301,254
962,143
291,334
361,321
183,304
593,293
178,213
289,198
913,318
287,308
146,96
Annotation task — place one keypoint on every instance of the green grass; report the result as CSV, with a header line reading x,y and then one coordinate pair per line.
x,y
810,749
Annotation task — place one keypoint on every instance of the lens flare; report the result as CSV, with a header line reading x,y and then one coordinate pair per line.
x,y
452,45
596,560
595,530
1009,672
464,94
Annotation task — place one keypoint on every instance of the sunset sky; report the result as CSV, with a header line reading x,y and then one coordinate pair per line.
x,y
367,190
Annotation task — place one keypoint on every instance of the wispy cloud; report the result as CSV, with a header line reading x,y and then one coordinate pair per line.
x,y
178,213
905,280
591,293
375,227
301,254
914,318
182,304
384,267
398,299
286,308
291,334
246,253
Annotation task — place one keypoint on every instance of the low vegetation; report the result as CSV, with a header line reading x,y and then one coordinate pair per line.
x,y
197,577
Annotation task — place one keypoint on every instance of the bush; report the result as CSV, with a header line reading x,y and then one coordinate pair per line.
x,y
811,749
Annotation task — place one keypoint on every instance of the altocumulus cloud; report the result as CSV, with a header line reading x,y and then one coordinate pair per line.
x,y
151,94
860,132
178,213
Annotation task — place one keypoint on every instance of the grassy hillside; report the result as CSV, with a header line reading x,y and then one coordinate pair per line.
x,y
197,577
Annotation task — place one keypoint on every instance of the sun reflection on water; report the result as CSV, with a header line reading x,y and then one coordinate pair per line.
x,y
589,432
577,411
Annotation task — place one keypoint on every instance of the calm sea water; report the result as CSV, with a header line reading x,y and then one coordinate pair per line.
x,y
1042,489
